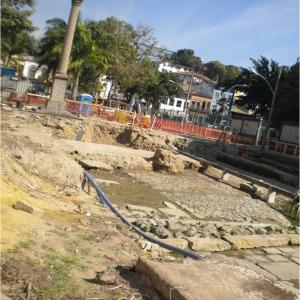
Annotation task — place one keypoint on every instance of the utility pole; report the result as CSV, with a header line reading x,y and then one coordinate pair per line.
x,y
274,92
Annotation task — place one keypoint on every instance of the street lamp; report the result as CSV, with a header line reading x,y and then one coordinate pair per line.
x,y
274,93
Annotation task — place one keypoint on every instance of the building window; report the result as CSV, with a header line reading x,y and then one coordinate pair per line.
x,y
208,105
193,104
178,103
198,104
203,104
171,102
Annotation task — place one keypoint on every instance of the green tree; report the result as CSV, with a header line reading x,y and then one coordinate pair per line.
x,y
259,96
215,70
16,27
84,50
230,77
187,58
287,104
162,89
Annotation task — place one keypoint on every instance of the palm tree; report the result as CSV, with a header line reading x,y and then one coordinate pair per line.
x,y
84,50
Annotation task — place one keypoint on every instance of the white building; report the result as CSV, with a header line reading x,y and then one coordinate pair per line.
x,y
167,67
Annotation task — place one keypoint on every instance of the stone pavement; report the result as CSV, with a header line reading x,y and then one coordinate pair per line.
x,y
280,264
209,280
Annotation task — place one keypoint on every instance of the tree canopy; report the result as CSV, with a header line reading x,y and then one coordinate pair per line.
x,y
225,75
16,28
258,95
187,58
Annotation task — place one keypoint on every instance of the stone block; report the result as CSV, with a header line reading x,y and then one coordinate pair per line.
x,y
208,244
282,270
271,196
294,239
95,164
169,205
255,241
174,212
225,176
180,243
25,206
248,188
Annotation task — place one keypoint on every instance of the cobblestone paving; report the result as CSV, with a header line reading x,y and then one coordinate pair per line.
x,y
211,199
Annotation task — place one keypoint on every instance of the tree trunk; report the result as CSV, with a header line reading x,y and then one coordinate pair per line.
x,y
75,87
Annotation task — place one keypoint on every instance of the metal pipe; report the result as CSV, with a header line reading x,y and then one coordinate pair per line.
x,y
105,201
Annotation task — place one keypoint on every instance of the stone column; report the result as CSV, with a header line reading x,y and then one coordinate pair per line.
x,y
61,78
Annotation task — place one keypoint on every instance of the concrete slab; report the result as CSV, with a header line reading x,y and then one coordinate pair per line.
x,y
283,270
174,212
277,258
255,241
258,258
245,264
271,251
207,244
208,280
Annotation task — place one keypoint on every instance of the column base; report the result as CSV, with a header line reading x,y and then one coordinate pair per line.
x,y
58,106
59,87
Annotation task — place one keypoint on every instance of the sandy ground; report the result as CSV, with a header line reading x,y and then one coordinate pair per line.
x,y
75,237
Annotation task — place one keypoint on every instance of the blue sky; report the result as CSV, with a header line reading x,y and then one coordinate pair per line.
x,y
230,31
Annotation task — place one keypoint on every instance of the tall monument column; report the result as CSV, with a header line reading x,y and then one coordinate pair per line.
x,y
57,99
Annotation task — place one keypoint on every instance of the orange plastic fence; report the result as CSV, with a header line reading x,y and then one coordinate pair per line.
x,y
126,117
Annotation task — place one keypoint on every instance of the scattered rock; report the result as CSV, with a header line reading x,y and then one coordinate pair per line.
x,y
25,206
260,231
190,232
166,161
270,229
106,279
160,231
143,224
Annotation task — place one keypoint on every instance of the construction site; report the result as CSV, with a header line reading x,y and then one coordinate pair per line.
x,y
98,209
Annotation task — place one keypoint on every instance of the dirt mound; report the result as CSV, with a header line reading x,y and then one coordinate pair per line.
x,y
166,161
101,131
38,159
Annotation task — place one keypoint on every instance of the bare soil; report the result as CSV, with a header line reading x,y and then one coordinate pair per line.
x,y
56,255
